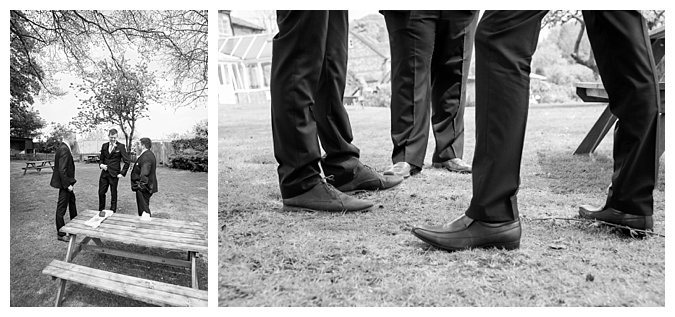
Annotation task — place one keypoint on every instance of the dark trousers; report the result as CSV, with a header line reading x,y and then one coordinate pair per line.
x,y
309,67
66,200
143,201
505,42
430,59
104,182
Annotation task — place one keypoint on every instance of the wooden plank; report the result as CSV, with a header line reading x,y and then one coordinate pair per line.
x,y
112,225
200,247
165,222
137,256
153,292
597,133
150,235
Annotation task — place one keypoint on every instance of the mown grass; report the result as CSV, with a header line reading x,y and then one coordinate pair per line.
x,y
268,257
182,195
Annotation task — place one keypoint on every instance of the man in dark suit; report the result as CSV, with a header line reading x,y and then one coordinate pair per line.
x,y
309,69
63,178
505,42
430,58
113,153
143,177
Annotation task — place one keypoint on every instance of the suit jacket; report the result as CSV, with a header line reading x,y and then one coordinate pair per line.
x,y
64,168
143,175
114,159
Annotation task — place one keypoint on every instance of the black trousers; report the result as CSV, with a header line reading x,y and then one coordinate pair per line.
x,y
104,182
309,67
66,201
505,42
430,59
143,201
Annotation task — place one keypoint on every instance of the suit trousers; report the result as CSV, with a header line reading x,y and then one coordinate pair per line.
x,y
66,201
143,201
430,59
309,67
505,42
106,180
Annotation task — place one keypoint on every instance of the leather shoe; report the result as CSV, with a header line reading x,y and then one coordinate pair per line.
x,y
63,238
454,165
466,233
402,169
611,215
366,178
324,197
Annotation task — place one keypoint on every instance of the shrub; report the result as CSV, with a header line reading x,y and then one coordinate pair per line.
x,y
191,154
198,162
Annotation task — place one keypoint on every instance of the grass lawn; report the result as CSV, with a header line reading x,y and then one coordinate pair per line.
x,y
268,257
182,196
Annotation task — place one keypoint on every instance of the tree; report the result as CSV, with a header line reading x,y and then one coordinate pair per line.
x,y
201,129
654,18
24,84
178,38
54,138
118,95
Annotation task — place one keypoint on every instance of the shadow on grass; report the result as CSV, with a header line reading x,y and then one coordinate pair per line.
x,y
567,173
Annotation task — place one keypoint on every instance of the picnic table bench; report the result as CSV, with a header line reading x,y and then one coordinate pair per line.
x,y
595,92
182,236
92,158
37,165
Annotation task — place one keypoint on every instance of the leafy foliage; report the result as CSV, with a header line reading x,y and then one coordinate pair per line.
x,y
178,38
198,144
198,162
118,95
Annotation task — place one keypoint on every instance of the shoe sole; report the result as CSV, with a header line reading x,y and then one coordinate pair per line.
x,y
302,209
435,165
505,246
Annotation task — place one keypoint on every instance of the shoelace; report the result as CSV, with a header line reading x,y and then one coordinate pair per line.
x,y
334,192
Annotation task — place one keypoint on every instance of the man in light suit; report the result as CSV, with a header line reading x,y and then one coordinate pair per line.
x,y
505,42
63,178
143,177
113,153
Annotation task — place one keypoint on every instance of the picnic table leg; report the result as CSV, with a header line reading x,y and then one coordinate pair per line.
x,y
62,287
597,133
193,262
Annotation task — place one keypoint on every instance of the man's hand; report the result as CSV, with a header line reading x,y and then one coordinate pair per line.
x,y
120,175
103,167
70,188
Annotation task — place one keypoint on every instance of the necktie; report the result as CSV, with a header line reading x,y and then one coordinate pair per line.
x,y
111,147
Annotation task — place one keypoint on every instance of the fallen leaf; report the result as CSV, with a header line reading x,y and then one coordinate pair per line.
x,y
557,246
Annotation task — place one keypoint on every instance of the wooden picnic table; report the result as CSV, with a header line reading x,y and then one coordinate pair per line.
x,y
92,158
37,165
182,236
595,92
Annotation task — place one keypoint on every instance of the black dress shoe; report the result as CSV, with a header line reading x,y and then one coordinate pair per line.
x,y
366,178
466,233
611,215
454,165
63,238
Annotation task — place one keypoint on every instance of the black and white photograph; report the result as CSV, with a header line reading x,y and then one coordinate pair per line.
x,y
108,168
421,158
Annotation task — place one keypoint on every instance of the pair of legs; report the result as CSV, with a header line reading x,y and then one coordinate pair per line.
x,y
505,42
143,202
105,181
66,201
309,67
430,59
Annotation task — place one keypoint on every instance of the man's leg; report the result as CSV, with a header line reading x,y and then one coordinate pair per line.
x,y
620,38
449,74
297,64
505,42
411,41
143,202
113,193
298,51
103,184
72,206
61,205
